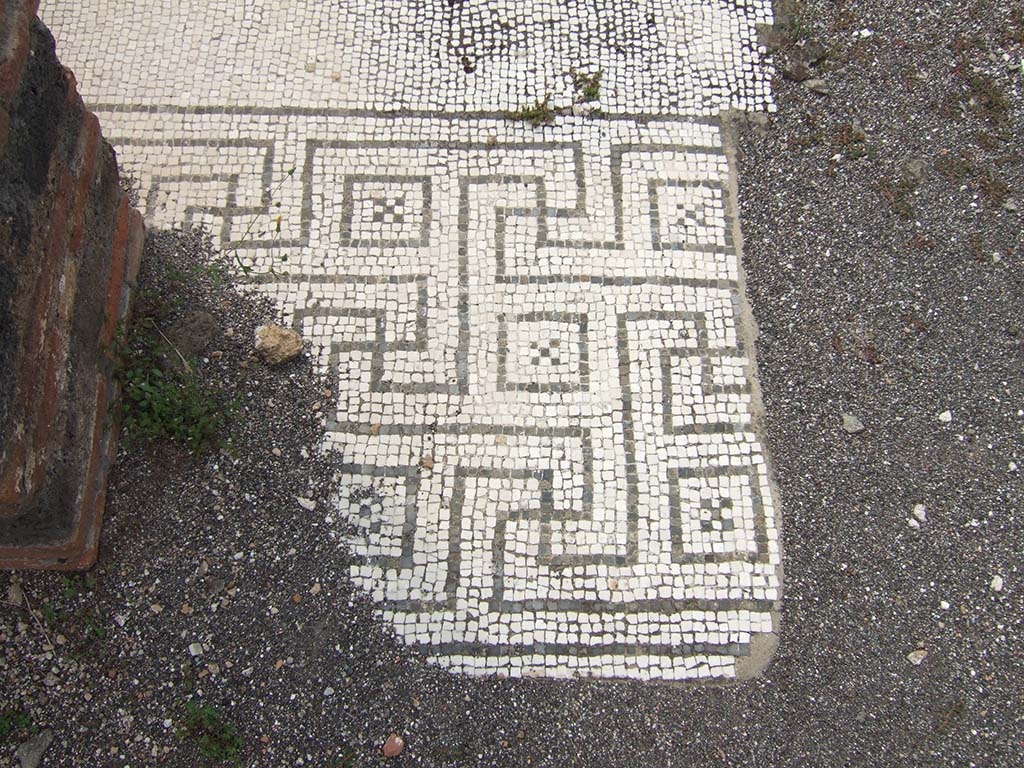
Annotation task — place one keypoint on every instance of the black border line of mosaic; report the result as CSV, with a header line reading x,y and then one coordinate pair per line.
x,y
513,650
640,118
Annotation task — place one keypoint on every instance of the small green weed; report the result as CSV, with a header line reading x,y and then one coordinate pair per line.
x,y
1015,30
850,138
170,403
268,236
978,245
949,716
15,724
538,113
799,23
83,624
982,94
587,85
459,754
49,614
217,739
990,141
76,586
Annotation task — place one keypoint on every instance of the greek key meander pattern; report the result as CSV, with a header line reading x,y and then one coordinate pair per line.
x,y
544,405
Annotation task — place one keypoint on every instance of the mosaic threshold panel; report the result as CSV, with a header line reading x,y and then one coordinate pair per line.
x,y
545,402
657,56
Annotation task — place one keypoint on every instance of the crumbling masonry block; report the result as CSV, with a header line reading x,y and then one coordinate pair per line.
x,y
70,245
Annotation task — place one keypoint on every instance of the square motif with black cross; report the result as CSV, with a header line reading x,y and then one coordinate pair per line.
x,y
543,352
386,211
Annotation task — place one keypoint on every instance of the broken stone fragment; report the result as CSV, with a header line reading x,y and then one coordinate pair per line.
x,y
797,71
30,754
857,132
276,345
813,52
818,86
775,38
852,425
917,657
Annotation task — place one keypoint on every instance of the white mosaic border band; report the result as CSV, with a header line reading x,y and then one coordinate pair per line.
x,y
693,57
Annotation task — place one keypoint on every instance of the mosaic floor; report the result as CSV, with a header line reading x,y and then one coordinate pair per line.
x,y
546,411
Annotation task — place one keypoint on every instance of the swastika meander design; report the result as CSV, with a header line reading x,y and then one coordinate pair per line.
x,y
545,412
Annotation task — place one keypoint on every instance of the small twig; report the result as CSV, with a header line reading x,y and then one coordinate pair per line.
x,y
188,368
31,612
252,223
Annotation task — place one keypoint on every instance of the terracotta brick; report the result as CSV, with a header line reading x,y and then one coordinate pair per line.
x,y
88,145
19,467
79,551
118,260
11,489
135,243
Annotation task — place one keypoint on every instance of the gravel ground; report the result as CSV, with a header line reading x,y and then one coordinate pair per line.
x,y
883,247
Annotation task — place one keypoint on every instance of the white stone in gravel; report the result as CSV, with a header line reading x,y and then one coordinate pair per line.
x,y
920,512
917,657
852,424
307,504
196,649
944,605
328,691
996,585
946,416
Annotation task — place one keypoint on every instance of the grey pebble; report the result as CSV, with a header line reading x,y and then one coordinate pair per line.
x,y
30,753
